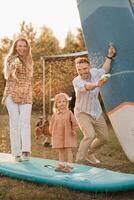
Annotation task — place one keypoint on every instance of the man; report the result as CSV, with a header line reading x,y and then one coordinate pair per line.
x,y
87,110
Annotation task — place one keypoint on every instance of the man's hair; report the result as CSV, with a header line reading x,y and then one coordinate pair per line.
x,y
80,60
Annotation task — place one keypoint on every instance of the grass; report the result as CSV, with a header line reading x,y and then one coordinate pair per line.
x,y
111,155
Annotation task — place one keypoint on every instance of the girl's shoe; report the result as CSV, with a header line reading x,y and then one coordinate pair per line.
x,y
70,167
18,159
26,156
67,169
60,168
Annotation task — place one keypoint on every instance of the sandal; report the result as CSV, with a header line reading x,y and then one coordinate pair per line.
x,y
60,168
70,167
66,169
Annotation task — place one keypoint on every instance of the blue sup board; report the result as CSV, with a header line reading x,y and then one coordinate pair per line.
x,y
83,177
107,22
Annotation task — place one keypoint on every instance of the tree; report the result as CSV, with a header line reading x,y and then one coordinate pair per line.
x,y
70,43
74,43
5,45
27,31
80,40
46,44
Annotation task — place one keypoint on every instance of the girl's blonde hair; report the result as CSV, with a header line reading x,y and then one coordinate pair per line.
x,y
13,52
57,97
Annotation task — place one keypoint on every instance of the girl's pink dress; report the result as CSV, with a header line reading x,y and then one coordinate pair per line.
x,y
62,126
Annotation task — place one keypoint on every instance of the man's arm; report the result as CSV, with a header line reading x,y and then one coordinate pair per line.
x,y
91,86
110,55
84,87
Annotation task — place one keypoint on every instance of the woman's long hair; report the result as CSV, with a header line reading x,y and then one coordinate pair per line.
x,y
28,61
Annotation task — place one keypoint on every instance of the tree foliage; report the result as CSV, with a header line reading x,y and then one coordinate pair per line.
x,y
74,43
80,40
27,31
46,43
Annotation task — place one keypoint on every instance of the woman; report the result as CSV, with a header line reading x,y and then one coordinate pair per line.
x,y
18,72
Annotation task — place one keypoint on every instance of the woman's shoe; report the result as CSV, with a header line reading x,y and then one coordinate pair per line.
x,y
26,156
18,159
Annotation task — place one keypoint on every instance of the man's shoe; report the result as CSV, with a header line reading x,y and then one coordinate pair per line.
x,y
92,159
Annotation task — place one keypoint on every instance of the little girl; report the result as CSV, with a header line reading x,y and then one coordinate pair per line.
x,y
63,127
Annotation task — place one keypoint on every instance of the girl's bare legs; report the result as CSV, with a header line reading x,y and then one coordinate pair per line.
x,y
61,164
65,154
69,154
61,155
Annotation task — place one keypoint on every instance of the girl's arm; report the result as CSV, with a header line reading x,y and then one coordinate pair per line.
x,y
74,124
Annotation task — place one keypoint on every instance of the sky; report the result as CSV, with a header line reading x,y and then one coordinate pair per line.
x,y
59,15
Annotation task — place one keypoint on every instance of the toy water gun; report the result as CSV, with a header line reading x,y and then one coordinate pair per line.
x,y
17,61
105,77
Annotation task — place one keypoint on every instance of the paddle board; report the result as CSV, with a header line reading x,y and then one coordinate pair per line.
x,y
107,22
83,177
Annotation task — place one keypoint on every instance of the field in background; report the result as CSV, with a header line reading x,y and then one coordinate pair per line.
x,y
111,155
